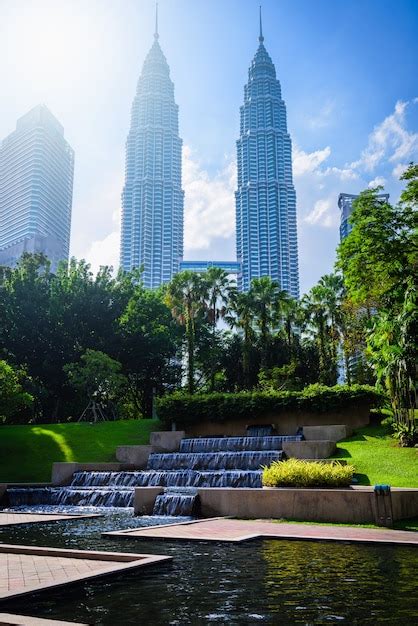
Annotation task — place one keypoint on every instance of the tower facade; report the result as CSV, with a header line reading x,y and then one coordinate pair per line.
x,y
152,198
36,187
265,199
345,204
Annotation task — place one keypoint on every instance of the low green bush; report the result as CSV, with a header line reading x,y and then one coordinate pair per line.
x,y
298,473
183,408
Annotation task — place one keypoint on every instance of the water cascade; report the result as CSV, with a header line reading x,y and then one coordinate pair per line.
x,y
177,503
200,462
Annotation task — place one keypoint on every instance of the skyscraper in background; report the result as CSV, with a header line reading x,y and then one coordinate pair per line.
x,y
265,198
345,204
36,187
152,198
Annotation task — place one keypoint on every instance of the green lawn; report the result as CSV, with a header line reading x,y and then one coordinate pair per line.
x,y
27,452
402,524
378,459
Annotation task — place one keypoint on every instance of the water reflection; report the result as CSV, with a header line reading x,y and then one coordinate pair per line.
x,y
268,582
309,582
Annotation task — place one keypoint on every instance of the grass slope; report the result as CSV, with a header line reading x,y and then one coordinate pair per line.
x,y
378,459
27,452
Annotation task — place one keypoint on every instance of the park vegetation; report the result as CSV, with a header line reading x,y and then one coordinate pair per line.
x,y
307,474
74,342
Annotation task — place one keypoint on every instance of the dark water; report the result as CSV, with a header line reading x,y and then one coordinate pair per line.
x,y
268,582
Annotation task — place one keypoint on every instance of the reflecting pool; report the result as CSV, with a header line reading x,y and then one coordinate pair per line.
x,y
263,581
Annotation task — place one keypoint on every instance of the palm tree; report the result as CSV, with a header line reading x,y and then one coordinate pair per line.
x,y
265,297
316,320
290,315
185,297
240,315
324,316
217,288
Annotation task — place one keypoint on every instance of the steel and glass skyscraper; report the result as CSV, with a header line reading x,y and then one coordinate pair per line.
x,y
36,187
265,198
152,198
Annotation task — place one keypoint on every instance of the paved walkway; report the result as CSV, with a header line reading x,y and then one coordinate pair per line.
x,y
224,529
11,518
25,569
7,619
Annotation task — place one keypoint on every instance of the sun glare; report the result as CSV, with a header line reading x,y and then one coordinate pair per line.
x,y
51,43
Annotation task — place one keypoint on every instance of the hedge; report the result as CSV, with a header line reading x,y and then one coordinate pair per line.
x,y
183,408
307,474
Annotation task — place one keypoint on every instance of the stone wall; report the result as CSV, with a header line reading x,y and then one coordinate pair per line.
x,y
62,473
349,506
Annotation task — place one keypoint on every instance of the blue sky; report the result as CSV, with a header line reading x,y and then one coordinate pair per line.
x,y
349,78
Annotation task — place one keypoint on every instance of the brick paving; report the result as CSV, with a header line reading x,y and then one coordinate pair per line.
x,y
24,569
7,619
11,518
224,529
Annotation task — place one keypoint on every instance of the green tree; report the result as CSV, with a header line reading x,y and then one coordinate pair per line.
x,y
185,297
392,351
217,291
265,295
379,255
316,306
14,401
99,378
150,346
240,316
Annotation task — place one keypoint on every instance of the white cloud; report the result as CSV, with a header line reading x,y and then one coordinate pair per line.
x,y
323,213
106,251
379,181
97,223
304,162
399,169
390,140
209,210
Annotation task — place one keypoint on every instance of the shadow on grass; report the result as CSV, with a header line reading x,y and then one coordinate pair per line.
x,y
362,479
341,453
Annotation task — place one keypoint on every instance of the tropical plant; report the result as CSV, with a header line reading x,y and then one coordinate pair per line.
x,y
392,350
185,297
265,294
240,316
217,290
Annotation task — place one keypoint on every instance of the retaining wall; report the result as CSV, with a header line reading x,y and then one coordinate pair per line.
x,y
62,473
350,506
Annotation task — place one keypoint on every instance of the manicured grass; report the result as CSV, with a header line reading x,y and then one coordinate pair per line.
x,y
378,459
27,452
404,524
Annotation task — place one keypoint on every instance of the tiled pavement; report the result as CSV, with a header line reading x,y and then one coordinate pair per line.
x,y
24,569
7,619
224,529
11,518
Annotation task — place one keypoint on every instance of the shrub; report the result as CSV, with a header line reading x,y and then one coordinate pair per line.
x,y
185,409
297,473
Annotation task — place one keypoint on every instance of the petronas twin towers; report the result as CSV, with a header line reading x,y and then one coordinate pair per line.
x,y
152,198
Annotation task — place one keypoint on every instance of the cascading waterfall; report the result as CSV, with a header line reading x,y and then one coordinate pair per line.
x,y
206,462
248,460
177,503
235,444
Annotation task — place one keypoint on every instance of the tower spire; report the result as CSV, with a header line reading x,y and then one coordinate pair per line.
x,y
156,21
260,37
